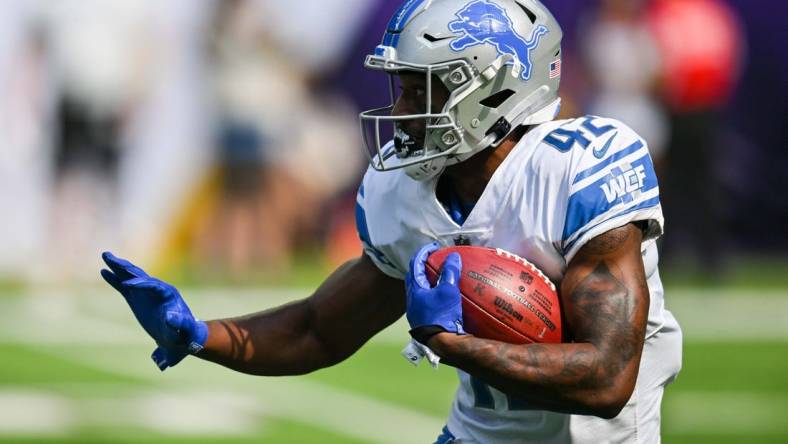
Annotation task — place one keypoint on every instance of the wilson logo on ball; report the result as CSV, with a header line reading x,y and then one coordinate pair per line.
x,y
501,299
507,307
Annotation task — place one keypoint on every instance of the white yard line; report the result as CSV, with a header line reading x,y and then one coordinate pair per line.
x,y
201,399
720,315
198,412
725,413
330,408
232,413
34,412
102,317
55,320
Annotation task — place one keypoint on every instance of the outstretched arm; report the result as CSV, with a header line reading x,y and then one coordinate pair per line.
x,y
351,306
605,301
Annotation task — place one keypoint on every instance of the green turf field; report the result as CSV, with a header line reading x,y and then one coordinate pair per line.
x,y
75,369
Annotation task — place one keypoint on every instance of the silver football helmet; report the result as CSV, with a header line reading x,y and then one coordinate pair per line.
x,y
500,61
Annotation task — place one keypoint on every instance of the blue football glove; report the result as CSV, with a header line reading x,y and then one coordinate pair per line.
x,y
160,310
432,310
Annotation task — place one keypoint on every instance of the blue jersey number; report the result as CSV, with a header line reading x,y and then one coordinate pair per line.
x,y
564,139
483,397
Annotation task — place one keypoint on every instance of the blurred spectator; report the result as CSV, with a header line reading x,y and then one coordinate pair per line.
x,y
23,167
98,58
623,65
245,79
701,44
283,148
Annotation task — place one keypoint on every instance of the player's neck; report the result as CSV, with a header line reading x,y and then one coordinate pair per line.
x,y
470,178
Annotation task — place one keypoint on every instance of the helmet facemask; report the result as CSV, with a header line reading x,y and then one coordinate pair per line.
x,y
422,156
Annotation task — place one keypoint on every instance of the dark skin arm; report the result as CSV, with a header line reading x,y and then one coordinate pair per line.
x,y
605,301
351,306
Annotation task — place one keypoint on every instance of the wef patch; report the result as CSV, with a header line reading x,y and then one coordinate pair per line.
x,y
627,182
632,183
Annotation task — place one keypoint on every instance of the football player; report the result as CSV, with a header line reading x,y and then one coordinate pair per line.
x,y
477,158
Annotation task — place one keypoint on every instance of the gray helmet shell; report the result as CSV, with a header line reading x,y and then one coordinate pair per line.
x,y
499,59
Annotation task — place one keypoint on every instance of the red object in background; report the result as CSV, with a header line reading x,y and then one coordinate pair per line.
x,y
504,297
701,43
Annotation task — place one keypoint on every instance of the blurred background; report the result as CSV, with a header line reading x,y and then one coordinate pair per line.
x,y
216,143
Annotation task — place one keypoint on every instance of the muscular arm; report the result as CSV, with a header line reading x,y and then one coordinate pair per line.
x,y
353,304
605,301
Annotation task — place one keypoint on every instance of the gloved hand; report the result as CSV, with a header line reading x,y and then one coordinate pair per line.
x,y
160,310
431,310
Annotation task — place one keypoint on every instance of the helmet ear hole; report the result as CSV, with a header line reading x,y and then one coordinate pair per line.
x,y
528,12
497,99
432,38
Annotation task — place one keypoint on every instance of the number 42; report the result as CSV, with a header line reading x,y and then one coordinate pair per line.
x,y
564,139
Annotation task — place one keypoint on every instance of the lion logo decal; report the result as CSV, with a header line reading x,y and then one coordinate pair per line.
x,y
483,22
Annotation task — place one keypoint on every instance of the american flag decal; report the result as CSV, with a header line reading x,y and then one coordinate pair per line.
x,y
555,69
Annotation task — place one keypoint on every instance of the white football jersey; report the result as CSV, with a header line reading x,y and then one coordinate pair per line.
x,y
563,184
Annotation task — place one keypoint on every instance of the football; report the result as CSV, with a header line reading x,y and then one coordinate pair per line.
x,y
504,297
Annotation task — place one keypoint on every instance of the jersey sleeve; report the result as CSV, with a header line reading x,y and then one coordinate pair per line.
x,y
612,184
362,226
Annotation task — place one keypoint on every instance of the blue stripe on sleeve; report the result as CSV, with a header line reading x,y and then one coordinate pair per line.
x,y
613,158
609,191
653,202
361,224
363,234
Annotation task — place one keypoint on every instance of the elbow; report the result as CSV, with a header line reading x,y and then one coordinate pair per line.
x,y
613,389
608,403
609,410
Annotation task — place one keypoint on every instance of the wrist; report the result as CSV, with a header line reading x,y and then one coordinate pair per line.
x,y
199,338
444,342
423,333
